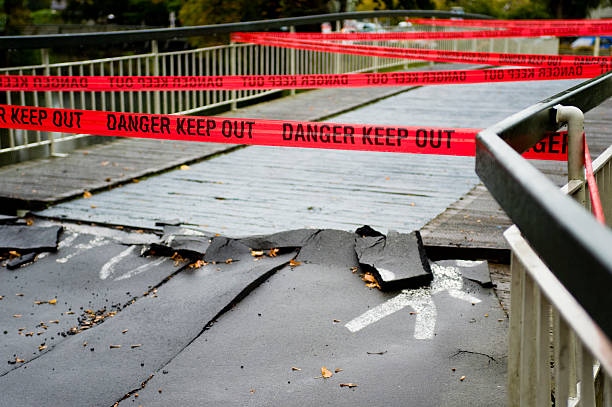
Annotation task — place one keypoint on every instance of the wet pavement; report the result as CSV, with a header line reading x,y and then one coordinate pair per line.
x,y
107,319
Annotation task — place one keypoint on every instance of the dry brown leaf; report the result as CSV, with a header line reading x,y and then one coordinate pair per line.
x,y
86,194
257,253
349,385
137,345
295,368
19,295
273,252
29,221
462,378
184,167
17,316
229,261
326,373
42,347
197,264
354,269
338,370
135,180
13,254
370,280
17,360
115,346
53,301
294,263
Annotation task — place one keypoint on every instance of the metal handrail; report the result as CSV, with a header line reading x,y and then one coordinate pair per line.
x,y
569,240
67,40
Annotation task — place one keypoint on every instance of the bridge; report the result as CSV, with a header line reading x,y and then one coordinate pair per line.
x,y
217,273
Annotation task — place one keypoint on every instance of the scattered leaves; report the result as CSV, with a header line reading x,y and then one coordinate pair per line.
x,y
86,194
349,385
370,280
294,263
326,373
198,264
296,368
178,259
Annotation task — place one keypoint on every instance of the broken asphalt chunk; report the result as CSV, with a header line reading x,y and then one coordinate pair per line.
x,y
186,242
329,246
20,261
29,238
286,241
366,230
397,261
223,248
477,271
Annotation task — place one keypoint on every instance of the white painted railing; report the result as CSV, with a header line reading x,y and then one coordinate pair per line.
x,y
231,59
557,354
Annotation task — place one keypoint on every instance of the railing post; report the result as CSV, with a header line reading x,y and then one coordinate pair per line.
x,y
575,145
44,52
338,55
156,94
234,105
292,60
514,338
596,46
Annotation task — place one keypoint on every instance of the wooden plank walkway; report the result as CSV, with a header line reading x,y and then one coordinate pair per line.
x,y
39,183
475,223
267,189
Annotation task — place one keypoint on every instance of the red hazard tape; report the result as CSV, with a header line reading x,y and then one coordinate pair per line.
x,y
241,82
512,23
489,58
397,139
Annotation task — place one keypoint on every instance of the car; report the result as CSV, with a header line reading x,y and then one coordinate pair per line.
x,y
589,42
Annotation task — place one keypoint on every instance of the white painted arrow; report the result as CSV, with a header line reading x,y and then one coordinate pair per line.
x,y
420,300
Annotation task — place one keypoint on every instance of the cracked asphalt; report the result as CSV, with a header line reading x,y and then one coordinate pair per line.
x,y
108,318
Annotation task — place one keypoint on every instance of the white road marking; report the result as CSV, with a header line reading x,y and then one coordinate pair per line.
x,y
67,239
142,268
420,300
95,242
109,267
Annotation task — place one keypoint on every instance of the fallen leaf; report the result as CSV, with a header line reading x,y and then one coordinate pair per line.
x,y
338,370
124,331
257,253
326,373
229,261
184,167
13,254
294,263
104,163
17,316
377,353
19,295
137,345
370,280
135,180
53,301
252,391
462,378
17,360
273,252
86,194
29,221
354,269
349,385
42,347
197,264
295,368
336,321
115,346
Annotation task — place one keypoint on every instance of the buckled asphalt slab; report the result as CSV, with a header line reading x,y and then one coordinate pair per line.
x,y
96,322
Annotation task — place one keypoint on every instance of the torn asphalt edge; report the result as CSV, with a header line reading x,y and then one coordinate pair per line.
x,y
370,248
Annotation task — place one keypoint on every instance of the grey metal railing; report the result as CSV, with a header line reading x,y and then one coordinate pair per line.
x,y
560,347
229,59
